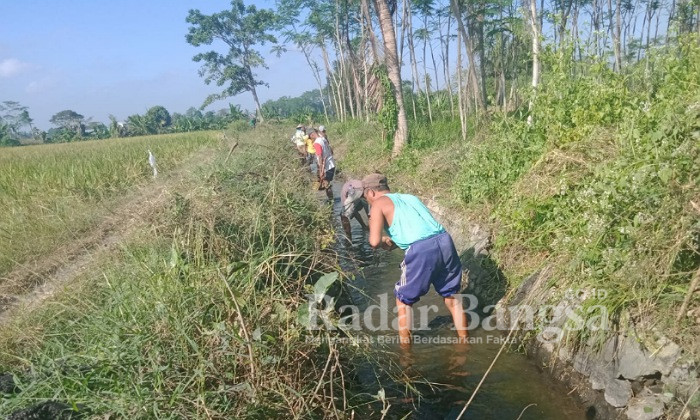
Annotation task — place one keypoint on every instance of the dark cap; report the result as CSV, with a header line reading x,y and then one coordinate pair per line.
x,y
375,180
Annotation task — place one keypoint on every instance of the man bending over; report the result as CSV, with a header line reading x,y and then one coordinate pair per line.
x,y
430,255
353,203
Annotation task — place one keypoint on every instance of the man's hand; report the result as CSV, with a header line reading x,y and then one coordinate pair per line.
x,y
387,243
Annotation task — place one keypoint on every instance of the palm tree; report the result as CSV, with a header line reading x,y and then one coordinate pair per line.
x,y
394,69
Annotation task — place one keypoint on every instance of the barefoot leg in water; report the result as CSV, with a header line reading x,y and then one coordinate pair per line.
x,y
458,317
405,321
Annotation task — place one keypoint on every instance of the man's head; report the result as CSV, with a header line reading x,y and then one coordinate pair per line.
x,y
322,129
300,127
313,134
374,186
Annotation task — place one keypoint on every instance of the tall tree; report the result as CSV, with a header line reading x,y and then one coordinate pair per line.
x,y
14,116
415,80
479,95
425,9
69,120
536,33
391,58
241,28
617,35
158,119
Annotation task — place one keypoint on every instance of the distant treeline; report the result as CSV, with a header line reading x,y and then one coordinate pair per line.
x,y
17,128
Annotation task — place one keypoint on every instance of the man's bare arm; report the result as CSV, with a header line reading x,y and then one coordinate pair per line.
x,y
376,223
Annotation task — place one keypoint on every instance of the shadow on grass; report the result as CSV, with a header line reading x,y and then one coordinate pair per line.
x,y
485,280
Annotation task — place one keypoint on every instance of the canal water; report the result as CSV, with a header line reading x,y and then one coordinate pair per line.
x,y
445,372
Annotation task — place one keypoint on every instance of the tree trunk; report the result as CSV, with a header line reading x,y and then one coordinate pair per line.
x,y
613,35
482,55
454,5
565,11
415,81
365,66
317,75
446,64
596,28
460,100
258,108
535,55
343,62
502,71
353,63
335,86
541,16
370,30
641,35
425,72
435,67
405,21
577,38
394,69
618,34
671,17
646,48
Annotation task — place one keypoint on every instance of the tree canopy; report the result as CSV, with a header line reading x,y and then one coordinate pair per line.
x,y
241,29
68,120
158,118
14,116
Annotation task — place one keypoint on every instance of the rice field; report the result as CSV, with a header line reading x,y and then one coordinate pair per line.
x,y
50,194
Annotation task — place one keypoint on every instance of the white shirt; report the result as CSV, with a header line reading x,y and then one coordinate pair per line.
x,y
298,138
327,155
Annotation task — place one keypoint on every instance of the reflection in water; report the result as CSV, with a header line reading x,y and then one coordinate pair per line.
x,y
447,374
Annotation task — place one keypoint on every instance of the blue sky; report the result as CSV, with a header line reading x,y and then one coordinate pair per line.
x,y
106,57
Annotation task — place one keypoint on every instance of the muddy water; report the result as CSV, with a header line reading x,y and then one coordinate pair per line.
x,y
447,373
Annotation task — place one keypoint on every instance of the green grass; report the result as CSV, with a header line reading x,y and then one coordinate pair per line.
x,y
197,315
600,187
51,194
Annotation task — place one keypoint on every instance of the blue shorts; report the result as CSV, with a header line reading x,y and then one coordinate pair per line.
x,y
429,261
330,174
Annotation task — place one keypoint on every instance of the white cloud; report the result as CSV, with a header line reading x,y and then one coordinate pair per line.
x,y
11,66
41,85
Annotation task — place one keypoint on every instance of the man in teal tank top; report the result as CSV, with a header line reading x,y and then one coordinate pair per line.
x,y
430,255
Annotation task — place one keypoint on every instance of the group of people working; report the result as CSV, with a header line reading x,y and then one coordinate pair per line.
x,y
313,148
394,221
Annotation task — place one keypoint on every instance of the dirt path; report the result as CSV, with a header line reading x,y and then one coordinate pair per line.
x,y
28,285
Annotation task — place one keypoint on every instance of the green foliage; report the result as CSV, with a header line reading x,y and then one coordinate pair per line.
x,y
241,29
599,187
201,308
62,135
491,167
601,182
158,119
388,115
6,136
69,120
13,116
306,107
432,136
